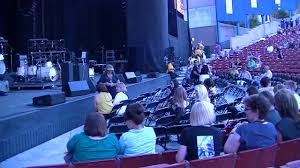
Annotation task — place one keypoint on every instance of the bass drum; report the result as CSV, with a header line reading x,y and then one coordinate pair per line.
x,y
48,73
31,70
2,68
22,71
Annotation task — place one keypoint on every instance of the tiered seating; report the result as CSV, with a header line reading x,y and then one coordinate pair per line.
x,y
287,65
275,155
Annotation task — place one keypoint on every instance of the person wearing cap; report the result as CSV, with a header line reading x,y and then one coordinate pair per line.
x,y
110,80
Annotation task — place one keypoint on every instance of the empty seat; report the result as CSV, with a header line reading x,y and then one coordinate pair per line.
x,y
288,151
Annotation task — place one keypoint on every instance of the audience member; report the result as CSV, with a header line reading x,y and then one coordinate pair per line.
x,y
201,140
103,100
244,74
171,70
265,83
94,143
211,88
273,115
109,79
121,96
266,72
204,72
195,74
278,87
173,86
255,134
251,63
139,139
178,104
251,90
289,126
292,86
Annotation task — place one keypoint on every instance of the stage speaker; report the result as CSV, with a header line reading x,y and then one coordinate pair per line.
x,y
153,75
49,100
66,75
132,78
81,72
77,88
91,86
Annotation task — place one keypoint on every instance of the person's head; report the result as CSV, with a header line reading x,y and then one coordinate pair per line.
x,y
202,113
121,87
95,125
251,90
174,83
291,85
278,87
265,82
102,88
244,68
269,96
286,104
134,115
180,96
266,68
209,83
256,107
201,93
109,69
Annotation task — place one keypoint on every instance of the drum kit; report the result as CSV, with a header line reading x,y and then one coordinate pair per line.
x,y
44,63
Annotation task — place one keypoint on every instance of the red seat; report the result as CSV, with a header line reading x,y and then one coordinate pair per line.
x,y
258,158
169,157
139,161
287,151
93,164
225,161
175,165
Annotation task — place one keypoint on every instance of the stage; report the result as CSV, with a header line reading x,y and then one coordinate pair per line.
x,y
24,126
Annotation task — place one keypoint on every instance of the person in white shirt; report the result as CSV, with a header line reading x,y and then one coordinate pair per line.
x,y
244,74
265,83
121,96
267,72
139,140
292,86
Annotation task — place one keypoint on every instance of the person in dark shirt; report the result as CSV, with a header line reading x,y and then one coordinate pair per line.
x,y
201,140
110,80
178,104
195,74
257,133
289,126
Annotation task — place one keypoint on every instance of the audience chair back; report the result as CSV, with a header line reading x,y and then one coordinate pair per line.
x,y
258,158
225,161
168,157
288,151
140,161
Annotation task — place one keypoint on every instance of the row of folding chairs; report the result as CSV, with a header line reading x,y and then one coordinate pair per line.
x,y
273,156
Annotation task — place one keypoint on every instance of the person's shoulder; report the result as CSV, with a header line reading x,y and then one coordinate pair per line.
x,y
79,136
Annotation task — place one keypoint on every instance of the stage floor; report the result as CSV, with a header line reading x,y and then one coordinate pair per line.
x,y
24,126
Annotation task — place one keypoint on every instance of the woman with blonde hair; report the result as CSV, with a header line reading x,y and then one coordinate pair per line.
x,y
103,100
289,125
178,104
202,93
121,96
201,140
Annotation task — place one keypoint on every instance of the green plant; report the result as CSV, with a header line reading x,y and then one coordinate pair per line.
x,y
254,21
280,14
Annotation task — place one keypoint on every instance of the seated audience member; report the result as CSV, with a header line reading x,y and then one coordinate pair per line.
x,y
121,96
201,140
202,94
251,63
110,80
237,64
204,72
139,139
103,100
251,90
94,143
257,133
265,83
195,74
244,74
266,72
278,87
273,115
178,104
292,86
289,126
211,88
173,86
234,73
